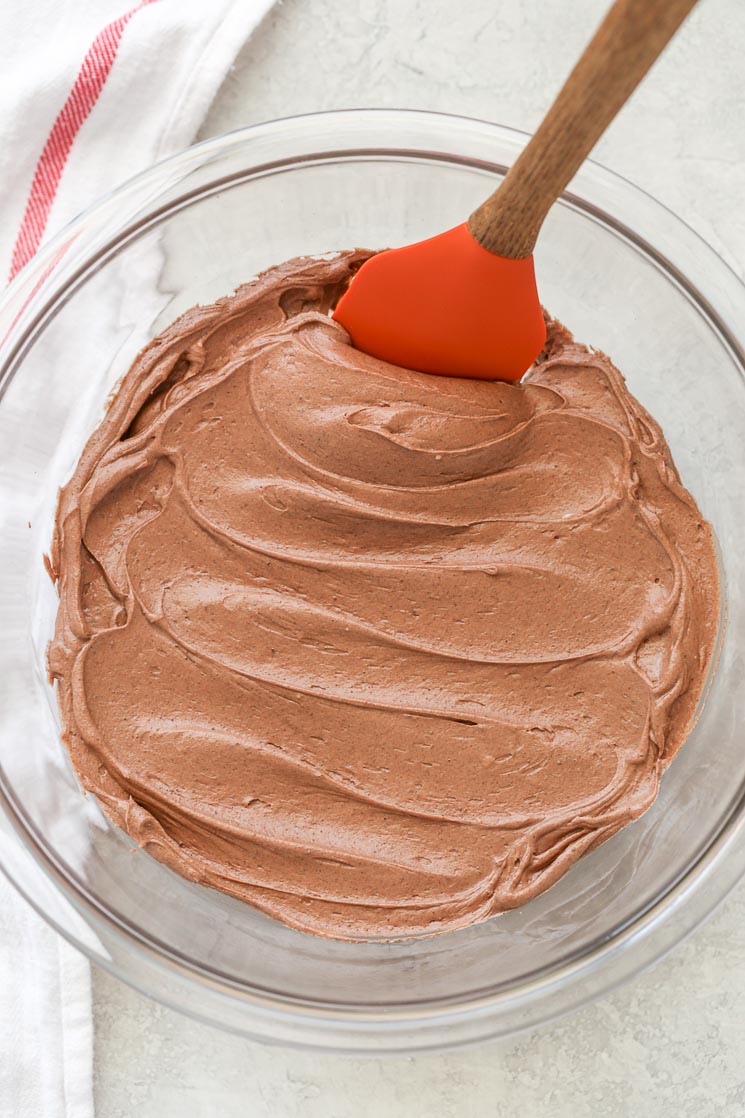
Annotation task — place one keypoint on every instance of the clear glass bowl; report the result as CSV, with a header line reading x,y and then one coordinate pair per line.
x,y
625,275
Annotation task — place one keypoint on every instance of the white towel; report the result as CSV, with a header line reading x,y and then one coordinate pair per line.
x,y
91,91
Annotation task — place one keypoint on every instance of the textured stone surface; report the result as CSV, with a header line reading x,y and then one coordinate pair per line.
x,y
670,1042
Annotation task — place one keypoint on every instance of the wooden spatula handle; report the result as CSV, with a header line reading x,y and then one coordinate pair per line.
x,y
628,41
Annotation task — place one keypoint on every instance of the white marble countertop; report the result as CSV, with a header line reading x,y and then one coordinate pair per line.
x,y
670,1042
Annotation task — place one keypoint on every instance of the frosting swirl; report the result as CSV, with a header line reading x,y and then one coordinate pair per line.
x,y
378,652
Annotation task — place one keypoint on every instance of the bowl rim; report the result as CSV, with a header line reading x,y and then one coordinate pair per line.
x,y
644,931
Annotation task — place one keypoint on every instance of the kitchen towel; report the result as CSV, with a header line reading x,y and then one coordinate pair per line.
x,y
91,91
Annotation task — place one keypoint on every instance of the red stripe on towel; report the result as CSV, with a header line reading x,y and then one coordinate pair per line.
x,y
85,92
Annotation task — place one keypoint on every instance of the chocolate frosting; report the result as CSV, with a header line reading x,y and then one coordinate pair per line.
x,y
378,652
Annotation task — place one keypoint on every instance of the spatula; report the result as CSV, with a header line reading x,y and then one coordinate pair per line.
x,y
465,303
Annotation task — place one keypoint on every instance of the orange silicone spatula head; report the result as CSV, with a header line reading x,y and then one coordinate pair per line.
x,y
464,303
447,305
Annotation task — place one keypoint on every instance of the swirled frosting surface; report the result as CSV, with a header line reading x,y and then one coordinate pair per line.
x,y
377,652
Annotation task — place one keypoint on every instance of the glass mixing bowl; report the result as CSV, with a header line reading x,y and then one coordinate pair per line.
x,y
625,275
